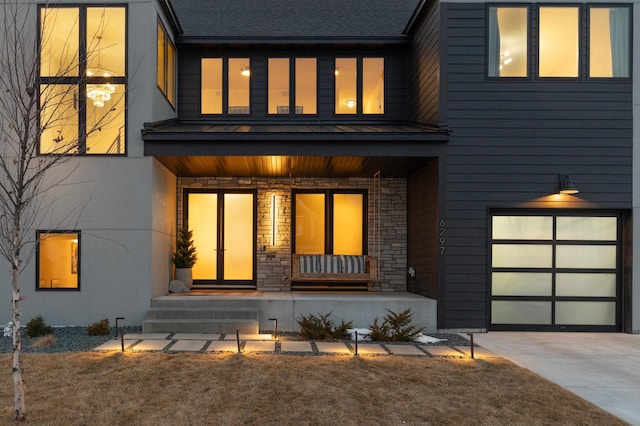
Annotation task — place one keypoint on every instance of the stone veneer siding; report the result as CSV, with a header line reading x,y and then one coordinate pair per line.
x,y
274,261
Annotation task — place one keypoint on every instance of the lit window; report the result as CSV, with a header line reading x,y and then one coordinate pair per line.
x,y
609,42
239,76
304,86
355,94
278,75
559,42
508,41
166,72
212,94
58,260
346,78
373,86
211,86
88,76
331,222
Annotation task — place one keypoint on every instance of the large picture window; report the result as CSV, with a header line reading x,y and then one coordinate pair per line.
x,y
330,222
82,80
562,50
58,259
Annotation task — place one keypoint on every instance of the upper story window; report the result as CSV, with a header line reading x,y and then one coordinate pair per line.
x,y
225,86
166,66
304,96
364,95
609,41
560,41
508,56
82,79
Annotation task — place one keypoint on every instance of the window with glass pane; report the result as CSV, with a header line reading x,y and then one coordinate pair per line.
x,y
331,221
278,95
239,78
166,73
310,223
609,42
306,86
508,31
211,86
58,260
373,86
347,223
88,76
346,80
559,41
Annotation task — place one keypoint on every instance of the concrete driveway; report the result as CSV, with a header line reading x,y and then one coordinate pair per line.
x,y
602,368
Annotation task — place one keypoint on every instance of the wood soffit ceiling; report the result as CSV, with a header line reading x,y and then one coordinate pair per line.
x,y
285,166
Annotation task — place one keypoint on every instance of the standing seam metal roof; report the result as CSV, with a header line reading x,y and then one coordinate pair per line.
x,y
293,18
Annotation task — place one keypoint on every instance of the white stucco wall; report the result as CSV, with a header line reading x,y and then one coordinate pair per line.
x,y
124,208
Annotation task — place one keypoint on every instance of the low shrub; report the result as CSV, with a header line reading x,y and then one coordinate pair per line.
x,y
396,327
321,327
100,328
37,327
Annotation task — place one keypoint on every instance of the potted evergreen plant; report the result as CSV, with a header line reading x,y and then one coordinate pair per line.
x,y
185,257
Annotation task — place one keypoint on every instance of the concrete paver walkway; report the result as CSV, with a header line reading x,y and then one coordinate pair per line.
x,y
603,368
264,343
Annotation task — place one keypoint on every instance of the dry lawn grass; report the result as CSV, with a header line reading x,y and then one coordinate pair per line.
x,y
212,389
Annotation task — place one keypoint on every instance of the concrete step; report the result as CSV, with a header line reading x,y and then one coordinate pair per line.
x,y
214,326
204,313
200,319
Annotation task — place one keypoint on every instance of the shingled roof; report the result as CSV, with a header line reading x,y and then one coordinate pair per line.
x,y
243,19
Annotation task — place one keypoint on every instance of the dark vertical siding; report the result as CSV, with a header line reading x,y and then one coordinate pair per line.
x,y
422,221
511,138
425,67
396,77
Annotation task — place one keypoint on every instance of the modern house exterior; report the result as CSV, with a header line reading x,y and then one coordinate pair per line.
x,y
431,138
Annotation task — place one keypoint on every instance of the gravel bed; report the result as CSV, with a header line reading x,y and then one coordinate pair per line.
x,y
76,339
67,339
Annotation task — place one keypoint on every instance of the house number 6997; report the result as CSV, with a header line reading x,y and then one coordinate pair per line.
x,y
442,233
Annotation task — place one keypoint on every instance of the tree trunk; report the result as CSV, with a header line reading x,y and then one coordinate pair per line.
x,y
20,410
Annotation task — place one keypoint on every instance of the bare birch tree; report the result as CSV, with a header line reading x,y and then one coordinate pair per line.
x,y
31,111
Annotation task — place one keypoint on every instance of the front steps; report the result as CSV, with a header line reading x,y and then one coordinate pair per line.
x,y
193,315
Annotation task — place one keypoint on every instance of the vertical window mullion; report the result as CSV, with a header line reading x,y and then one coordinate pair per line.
x,y
82,83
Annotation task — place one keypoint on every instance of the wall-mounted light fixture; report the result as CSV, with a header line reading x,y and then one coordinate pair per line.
x,y
350,103
273,220
245,71
567,186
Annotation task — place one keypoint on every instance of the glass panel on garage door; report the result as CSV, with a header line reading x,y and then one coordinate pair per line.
x,y
555,271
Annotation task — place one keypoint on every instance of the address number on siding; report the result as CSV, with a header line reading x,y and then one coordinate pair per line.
x,y
442,233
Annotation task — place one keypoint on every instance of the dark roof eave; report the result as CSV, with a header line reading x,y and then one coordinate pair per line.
x,y
171,16
261,40
435,136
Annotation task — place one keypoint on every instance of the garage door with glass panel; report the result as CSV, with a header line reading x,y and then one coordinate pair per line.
x,y
555,272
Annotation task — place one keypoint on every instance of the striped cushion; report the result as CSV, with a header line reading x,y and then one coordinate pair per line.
x,y
328,263
353,264
308,264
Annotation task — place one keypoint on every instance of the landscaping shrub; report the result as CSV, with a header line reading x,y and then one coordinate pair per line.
x,y
100,328
38,327
321,327
396,327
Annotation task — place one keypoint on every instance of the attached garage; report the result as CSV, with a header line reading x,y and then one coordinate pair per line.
x,y
555,271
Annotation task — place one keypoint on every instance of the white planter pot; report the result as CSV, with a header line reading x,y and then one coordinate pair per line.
x,y
184,275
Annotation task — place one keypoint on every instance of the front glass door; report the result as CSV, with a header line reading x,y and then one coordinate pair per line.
x,y
223,225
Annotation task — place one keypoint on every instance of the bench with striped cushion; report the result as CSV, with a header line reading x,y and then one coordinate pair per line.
x,y
328,268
